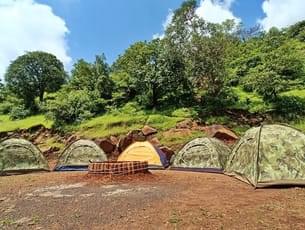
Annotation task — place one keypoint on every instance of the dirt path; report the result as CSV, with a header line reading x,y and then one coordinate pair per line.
x,y
162,200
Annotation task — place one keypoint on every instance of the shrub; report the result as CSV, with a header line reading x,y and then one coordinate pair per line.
x,y
9,104
214,105
19,112
290,107
74,107
185,112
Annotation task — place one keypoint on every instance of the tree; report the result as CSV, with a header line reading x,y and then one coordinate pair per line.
x,y
2,94
92,77
129,71
74,106
33,74
297,31
280,68
149,72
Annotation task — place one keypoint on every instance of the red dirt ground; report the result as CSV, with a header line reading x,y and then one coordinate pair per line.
x,y
161,200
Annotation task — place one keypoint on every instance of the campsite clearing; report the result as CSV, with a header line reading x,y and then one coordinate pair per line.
x,y
73,200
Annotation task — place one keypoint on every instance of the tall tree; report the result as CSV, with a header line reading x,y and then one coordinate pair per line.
x,y
2,96
33,74
92,76
151,73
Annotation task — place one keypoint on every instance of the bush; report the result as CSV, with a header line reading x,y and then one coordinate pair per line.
x,y
217,104
185,112
290,107
19,112
9,104
74,107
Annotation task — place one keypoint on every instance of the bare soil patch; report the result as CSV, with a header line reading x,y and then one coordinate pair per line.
x,y
160,200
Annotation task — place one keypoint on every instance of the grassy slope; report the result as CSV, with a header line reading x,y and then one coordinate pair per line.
x,y
8,125
108,124
250,101
295,92
121,122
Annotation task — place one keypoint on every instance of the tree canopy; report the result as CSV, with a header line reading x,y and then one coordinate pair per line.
x,y
195,64
33,74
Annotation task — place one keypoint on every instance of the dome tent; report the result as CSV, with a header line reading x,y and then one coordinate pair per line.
x,y
77,156
269,155
202,154
19,156
145,151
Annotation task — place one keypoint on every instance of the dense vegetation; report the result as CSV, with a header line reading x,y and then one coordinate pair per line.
x,y
211,68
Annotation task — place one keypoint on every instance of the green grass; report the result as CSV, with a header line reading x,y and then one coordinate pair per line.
x,y
177,140
250,101
8,125
110,124
51,142
300,124
296,92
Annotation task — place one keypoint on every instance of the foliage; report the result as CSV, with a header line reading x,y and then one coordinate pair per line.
x,y
2,91
19,112
291,107
185,112
33,74
9,103
151,75
196,64
92,77
74,107
249,101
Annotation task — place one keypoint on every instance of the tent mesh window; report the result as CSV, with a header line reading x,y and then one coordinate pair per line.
x,y
118,167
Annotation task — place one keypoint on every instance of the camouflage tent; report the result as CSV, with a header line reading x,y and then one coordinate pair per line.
x,y
269,155
78,155
20,156
202,154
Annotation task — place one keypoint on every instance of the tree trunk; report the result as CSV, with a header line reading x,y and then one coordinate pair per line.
x,y
154,96
41,93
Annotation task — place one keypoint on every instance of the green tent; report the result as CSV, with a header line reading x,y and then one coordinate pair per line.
x,y
20,156
202,154
269,155
77,156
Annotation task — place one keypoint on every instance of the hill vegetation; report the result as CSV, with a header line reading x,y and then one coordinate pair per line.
x,y
213,70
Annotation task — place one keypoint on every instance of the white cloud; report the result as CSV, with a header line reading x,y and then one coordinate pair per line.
x,y
28,26
216,11
165,24
282,13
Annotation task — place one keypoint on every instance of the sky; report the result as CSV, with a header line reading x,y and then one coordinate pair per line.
x,y
74,29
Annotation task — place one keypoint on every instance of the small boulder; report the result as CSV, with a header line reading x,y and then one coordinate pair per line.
x,y
136,135
124,142
177,132
154,141
114,140
221,132
147,130
106,145
186,124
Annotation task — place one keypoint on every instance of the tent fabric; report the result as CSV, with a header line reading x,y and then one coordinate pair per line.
x,y
202,154
77,156
269,155
145,151
19,156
